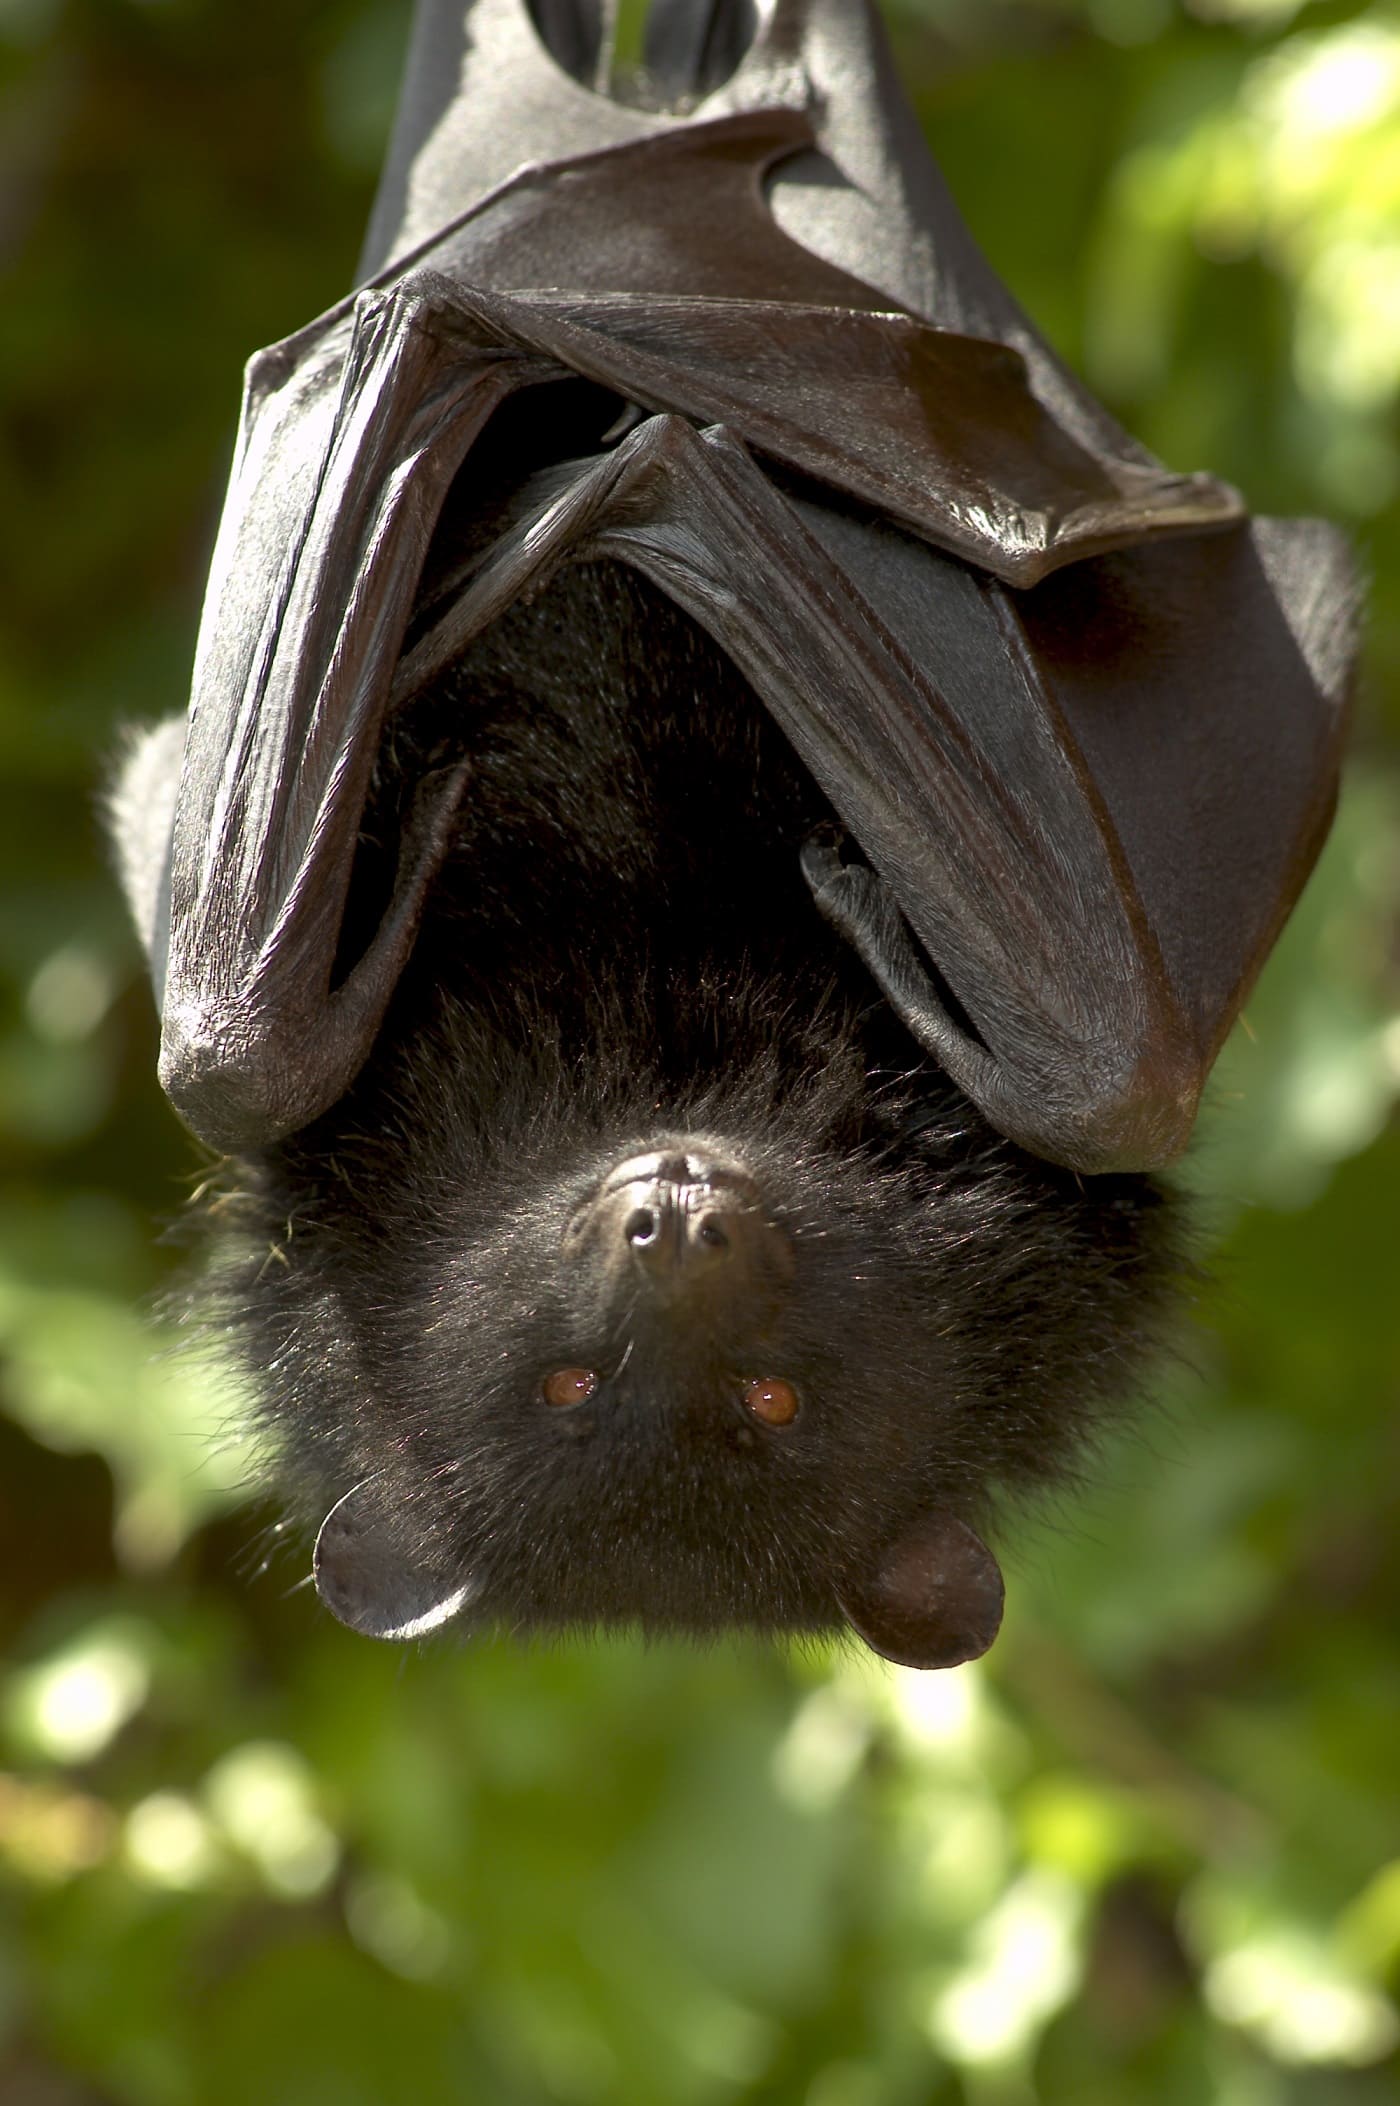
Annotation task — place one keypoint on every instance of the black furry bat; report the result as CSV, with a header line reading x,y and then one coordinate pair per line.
x,y
726,812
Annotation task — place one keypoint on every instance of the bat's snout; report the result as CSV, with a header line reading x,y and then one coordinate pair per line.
x,y
671,1240
684,1229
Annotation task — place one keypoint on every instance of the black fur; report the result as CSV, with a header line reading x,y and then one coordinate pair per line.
x,y
622,952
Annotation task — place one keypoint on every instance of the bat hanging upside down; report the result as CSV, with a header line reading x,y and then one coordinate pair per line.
x,y
726,812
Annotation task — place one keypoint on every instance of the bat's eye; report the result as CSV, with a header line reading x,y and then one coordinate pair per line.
x,y
569,1385
775,1402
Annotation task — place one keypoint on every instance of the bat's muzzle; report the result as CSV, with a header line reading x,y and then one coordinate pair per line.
x,y
681,1229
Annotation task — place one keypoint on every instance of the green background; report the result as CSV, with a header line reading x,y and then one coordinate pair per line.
x,y
1150,1850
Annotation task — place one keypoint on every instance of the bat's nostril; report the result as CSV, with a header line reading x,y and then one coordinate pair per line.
x,y
640,1228
710,1234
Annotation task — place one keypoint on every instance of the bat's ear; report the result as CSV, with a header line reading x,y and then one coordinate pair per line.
x,y
364,1578
935,1599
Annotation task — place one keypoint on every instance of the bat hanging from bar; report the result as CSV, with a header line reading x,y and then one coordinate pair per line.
x,y
726,812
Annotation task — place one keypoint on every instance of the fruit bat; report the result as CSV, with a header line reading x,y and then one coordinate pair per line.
x,y
725,814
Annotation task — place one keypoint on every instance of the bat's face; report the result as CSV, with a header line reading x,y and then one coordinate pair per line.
x,y
648,1275
685,1394
761,1379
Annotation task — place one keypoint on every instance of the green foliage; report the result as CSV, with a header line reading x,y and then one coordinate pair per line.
x,y
1149,1852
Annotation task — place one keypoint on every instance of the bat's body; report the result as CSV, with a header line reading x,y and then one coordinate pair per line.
x,y
620,959
709,855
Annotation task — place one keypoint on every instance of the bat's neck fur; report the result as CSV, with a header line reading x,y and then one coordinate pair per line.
x,y
621,949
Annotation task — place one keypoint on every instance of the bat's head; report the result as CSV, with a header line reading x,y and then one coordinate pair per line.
x,y
764,1372
673,1398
